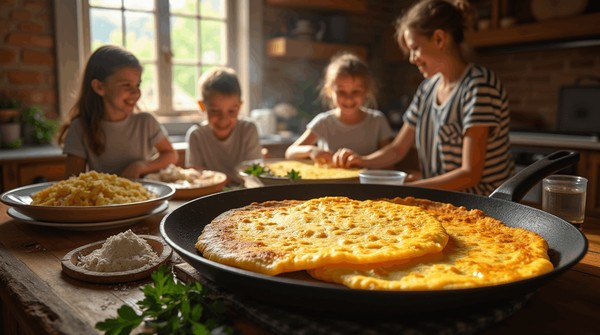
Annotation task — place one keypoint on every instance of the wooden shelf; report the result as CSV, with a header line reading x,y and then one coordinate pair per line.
x,y
357,6
283,47
557,29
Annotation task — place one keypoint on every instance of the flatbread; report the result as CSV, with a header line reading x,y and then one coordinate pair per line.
x,y
282,236
482,251
310,170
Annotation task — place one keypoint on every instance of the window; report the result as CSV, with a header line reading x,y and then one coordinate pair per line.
x,y
176,40
196,39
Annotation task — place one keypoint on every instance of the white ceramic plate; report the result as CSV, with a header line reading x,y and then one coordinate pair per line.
x,y
15,214
201,187
276,180
20,199
70,260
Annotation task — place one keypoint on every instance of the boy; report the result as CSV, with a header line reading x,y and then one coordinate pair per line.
x,y
222,141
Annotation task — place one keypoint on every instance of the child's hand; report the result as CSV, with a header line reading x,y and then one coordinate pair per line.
x,y
321,157
346,158
133,170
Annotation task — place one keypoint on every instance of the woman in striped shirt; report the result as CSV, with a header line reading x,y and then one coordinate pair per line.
x,y
459,117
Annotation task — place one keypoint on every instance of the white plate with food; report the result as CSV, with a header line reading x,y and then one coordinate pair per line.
x,y
85,226
21,199
190,183
71,260
273,171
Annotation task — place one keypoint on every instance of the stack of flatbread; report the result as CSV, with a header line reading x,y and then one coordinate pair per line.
x,y
385,244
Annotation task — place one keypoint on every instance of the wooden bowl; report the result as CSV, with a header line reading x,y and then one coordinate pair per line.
x,y
70,260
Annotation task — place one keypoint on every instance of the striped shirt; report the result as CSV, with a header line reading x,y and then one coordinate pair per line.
x,y
479,100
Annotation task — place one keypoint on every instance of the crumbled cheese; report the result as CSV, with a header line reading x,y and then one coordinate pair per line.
x,y
122,252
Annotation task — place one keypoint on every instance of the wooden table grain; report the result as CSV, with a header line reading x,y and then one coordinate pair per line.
x,y
37,298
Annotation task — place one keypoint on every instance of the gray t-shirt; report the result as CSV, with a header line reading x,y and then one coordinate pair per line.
x,y
208,152
363,137
127,141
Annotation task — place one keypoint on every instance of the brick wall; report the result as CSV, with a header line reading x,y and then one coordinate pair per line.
x,y
533,79
27,55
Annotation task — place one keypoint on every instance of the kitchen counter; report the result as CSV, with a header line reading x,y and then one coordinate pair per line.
x,y
587,142
37,298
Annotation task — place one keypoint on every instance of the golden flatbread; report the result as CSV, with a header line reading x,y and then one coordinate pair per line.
x,y
309,170
282,236
482,251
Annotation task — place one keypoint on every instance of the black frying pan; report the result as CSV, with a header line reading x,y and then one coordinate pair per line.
x,y
568,245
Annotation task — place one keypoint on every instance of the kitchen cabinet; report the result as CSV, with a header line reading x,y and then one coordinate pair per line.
x,y
294,48
26,171
589,167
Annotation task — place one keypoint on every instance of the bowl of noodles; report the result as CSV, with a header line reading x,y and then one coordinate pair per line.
x,y
89,197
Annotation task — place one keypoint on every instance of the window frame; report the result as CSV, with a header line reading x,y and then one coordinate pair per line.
x,y
245,54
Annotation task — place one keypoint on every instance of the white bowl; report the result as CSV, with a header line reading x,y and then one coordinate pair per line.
x,y
388,177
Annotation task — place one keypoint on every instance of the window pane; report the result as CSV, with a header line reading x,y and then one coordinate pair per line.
x,y
187,7
141,35
149,100
184,87
184,41
213,41
105,27
213,8
106,3
139,5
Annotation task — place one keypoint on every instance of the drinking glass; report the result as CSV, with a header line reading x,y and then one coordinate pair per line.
x,y
564,196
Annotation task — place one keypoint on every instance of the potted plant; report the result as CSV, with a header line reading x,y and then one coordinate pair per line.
x,y
37,129
10,127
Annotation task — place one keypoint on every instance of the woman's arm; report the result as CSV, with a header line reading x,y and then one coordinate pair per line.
x,y
473,162
384,157
74,165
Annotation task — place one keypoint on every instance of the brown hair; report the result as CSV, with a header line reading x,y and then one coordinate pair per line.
x,y
426,16
221,80
89,107
348,64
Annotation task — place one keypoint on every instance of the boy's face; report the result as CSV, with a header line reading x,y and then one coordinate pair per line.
x,y
222,113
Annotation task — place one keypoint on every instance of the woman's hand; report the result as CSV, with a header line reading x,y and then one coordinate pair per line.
x,y
346,158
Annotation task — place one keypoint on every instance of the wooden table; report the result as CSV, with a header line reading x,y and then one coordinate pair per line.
x,y
37,298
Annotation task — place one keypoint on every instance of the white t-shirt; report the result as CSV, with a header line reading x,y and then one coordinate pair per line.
x,y
127,141
363,137
208,152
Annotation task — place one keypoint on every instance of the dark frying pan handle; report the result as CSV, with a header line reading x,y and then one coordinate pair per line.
x,y
516,187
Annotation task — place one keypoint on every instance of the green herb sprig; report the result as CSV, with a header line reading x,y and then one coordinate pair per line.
x,y
171,307
256,169
293,175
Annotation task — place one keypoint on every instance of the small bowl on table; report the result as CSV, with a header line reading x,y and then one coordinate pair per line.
x,y
386,177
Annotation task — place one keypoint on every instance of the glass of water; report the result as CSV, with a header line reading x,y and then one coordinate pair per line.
x,y
564,196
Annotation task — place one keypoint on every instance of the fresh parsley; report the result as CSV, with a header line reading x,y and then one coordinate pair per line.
x,y
256,169
293,175
171,307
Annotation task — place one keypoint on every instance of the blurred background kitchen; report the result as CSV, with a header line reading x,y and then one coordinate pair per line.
x,y
547,54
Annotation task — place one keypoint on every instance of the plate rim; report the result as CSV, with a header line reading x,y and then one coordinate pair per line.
x,y
86,225
86,213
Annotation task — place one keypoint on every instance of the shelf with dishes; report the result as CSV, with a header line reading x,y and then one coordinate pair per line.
x,y
284,47
574,27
